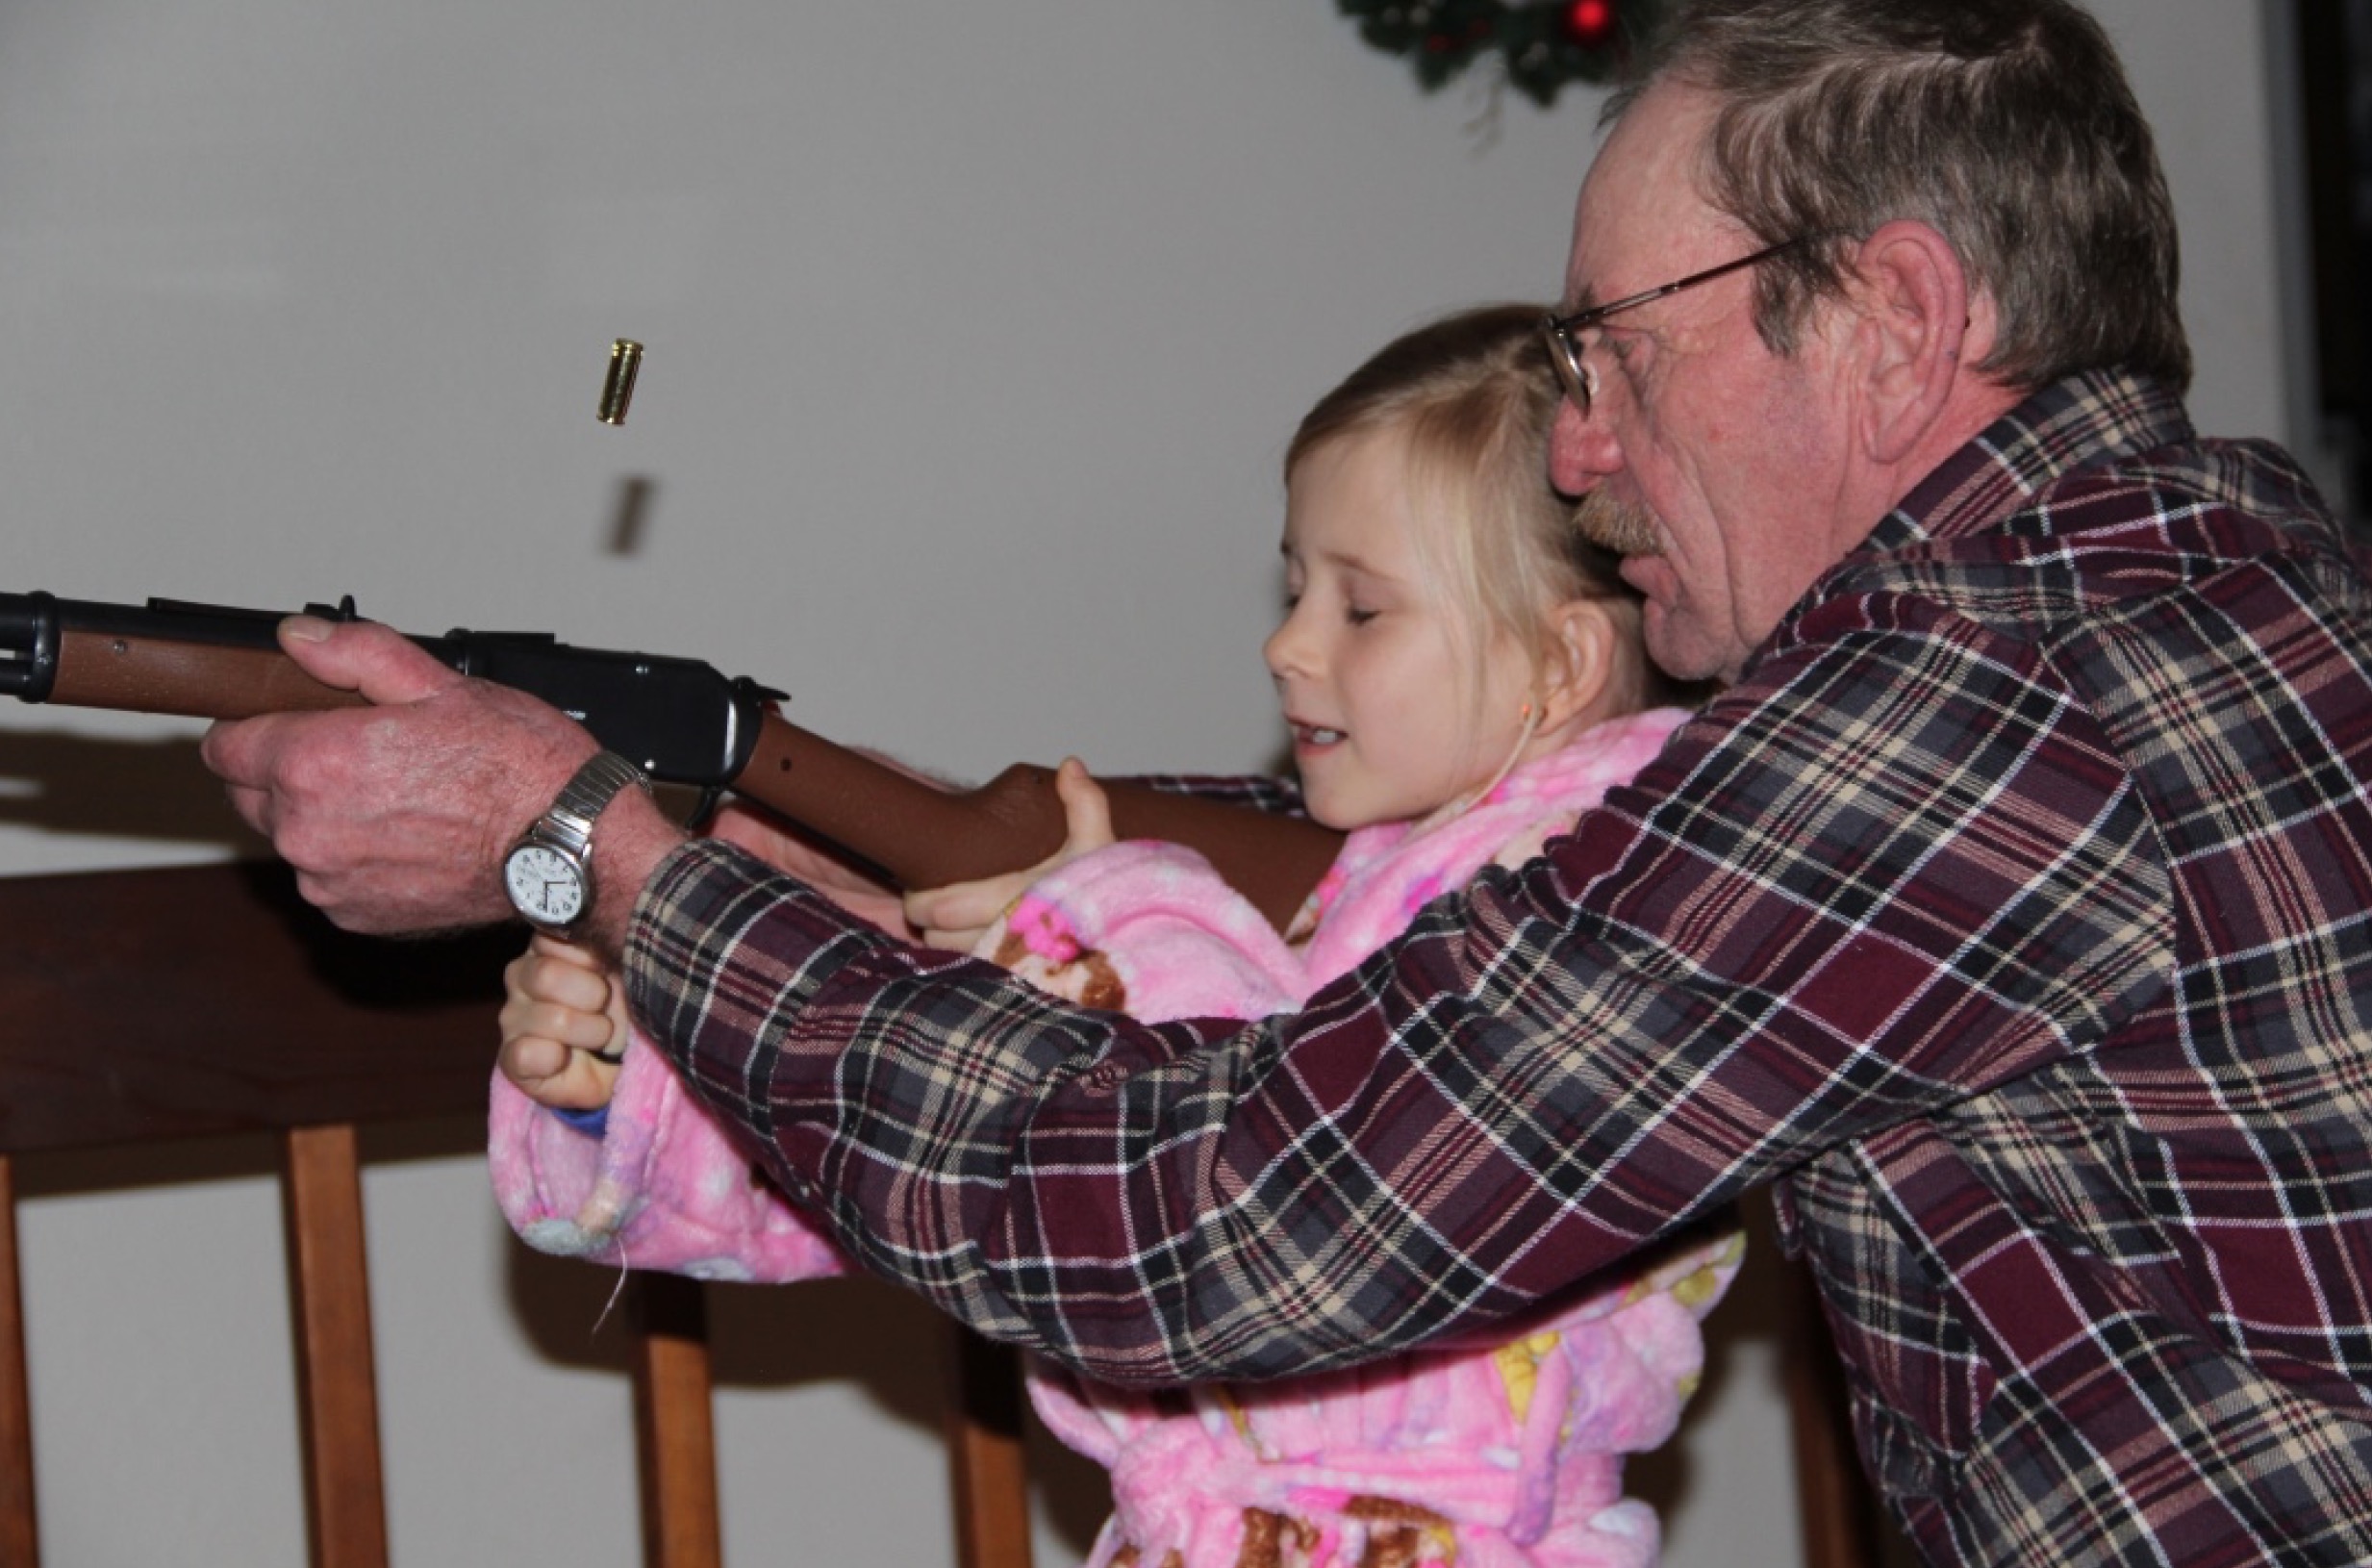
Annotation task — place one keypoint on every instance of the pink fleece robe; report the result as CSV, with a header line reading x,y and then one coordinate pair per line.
x,y
1506,1452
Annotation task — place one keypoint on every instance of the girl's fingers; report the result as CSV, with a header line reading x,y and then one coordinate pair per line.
x,y
1086,810
563,1026
553,1075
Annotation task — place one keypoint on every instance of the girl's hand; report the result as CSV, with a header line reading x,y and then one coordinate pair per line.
x,y
958,915
563,1026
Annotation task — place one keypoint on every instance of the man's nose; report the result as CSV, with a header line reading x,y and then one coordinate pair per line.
x,y
1581,450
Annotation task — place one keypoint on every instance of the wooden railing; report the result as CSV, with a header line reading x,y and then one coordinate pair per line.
x,y
184,1004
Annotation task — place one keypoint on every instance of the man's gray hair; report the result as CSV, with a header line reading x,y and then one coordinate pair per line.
x,y
2005,125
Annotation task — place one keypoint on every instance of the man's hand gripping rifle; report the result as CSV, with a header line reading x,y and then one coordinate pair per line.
x,y
682,720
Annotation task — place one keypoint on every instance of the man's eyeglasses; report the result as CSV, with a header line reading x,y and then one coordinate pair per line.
x,y
1568,352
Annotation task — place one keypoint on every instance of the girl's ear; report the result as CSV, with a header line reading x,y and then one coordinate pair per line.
x,y
1583,662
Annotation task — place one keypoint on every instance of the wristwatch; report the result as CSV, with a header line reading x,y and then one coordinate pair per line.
x,y
549,872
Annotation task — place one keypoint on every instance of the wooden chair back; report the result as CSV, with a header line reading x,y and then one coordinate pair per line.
x,y
193,1001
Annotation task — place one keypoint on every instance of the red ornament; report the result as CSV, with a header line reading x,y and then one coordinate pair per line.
x,y
1590,23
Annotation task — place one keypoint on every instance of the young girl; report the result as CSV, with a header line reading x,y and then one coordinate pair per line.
x,y
1462,675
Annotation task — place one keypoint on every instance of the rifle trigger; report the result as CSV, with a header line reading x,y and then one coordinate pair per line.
x,y
704,808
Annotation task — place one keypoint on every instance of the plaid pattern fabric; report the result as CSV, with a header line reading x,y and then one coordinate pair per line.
x,y
2013,914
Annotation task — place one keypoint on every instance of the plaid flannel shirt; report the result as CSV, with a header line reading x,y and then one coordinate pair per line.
x,y
2011,913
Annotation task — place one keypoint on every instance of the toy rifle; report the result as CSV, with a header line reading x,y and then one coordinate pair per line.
x,y
681,720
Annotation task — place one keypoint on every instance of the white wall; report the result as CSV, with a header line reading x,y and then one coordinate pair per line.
x,y
974,335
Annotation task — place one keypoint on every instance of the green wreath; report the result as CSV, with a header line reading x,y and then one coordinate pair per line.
x,y
1538,47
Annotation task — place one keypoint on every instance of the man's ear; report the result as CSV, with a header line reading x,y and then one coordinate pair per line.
x,y
1585,659
1918,333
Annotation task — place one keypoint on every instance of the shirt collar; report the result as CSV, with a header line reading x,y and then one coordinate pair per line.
x,y
2092,418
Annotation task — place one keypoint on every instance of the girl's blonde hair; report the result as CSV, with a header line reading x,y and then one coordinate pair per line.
x,y
1471,396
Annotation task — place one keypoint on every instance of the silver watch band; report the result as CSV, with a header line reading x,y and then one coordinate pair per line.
x,y
587,795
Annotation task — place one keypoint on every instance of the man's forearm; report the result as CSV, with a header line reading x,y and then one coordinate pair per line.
x,y
1031,1167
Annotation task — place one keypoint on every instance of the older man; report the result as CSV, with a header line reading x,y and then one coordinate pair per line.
x,y
2011,909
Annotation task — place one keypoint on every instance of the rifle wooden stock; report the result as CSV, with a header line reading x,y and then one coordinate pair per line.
x,y
914,832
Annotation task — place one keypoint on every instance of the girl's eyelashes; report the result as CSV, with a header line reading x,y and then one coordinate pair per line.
x,y
1355,615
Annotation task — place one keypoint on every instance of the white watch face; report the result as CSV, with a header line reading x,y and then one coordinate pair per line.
x,y
546,885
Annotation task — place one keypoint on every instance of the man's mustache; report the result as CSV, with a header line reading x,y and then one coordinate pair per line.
x,y
1624,527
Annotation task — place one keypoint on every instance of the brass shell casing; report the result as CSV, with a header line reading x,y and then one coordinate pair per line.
x,y
618,389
